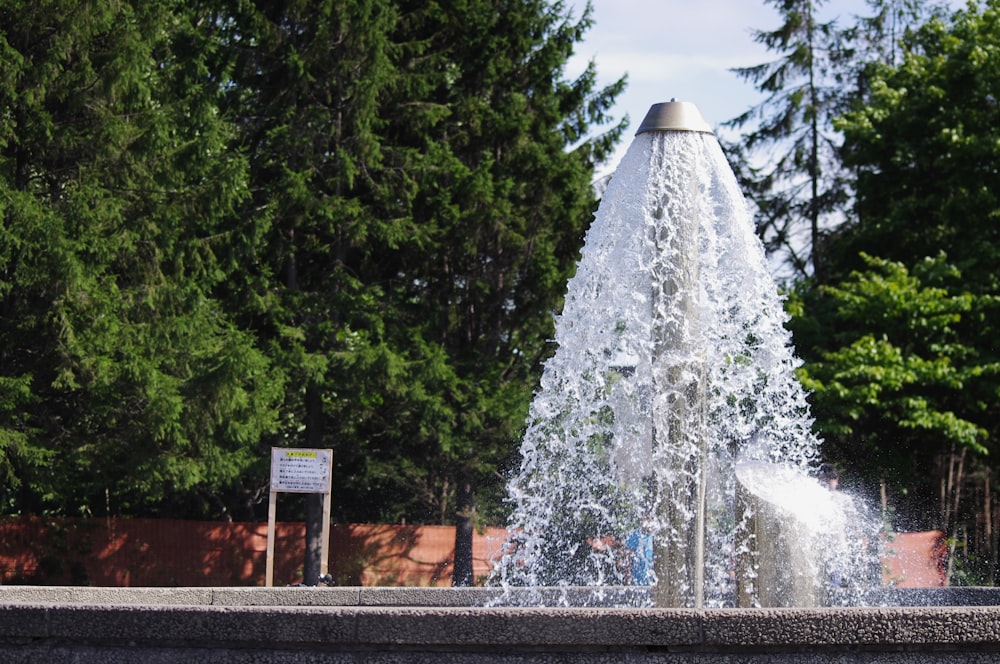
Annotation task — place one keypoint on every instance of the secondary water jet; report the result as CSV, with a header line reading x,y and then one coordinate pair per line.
x,y
672,368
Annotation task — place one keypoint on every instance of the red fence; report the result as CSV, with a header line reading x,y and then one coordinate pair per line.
x,y
164,552
916,560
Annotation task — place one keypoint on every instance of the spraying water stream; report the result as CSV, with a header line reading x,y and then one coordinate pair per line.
x,y
673,369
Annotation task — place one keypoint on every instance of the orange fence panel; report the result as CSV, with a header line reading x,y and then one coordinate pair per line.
x,y
167,552
916,560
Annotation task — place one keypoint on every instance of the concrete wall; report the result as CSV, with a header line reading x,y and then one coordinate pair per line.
x,y
222,625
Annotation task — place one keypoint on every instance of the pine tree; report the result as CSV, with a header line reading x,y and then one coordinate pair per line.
x,y
508,199
129,381
412,161
307,88
798,183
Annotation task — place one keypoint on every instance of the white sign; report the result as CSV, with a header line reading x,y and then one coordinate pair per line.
x,y
300,470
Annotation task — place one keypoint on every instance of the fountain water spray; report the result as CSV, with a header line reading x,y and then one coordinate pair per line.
x,y
672,367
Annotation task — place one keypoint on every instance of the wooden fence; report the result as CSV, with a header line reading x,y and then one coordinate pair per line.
x,y
165,552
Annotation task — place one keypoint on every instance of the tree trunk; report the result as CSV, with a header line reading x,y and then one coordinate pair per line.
x,y
314,501
988,538
462,575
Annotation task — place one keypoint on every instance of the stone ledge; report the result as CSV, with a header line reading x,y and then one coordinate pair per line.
x,y
549,628
623,597
322,596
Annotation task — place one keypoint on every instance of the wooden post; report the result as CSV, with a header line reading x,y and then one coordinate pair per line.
x,y
324,552
272,503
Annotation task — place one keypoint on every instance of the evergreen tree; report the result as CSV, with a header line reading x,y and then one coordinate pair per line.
x,y
878,36
502,170
308,86
411,159
125,380
789,164
231,226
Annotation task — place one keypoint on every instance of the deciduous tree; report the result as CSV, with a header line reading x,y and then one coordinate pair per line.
x,y
902,348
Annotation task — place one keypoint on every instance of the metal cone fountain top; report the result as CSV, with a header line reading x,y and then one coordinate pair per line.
x,y
672,365
674,116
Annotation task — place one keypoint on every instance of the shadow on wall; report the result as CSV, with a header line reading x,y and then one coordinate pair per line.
x,y
169,553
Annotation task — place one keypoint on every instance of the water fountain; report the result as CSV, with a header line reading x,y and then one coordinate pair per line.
x,y
672,386
669,405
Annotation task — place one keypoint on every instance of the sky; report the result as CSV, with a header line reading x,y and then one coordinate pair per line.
x,y
683,50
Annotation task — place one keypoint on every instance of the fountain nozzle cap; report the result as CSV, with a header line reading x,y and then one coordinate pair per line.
x,y
674,116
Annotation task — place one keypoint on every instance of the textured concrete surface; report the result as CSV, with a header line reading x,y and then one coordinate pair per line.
x,y
153,625
336,596
401,596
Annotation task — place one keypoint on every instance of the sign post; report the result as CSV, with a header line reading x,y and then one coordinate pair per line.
x,y
299,471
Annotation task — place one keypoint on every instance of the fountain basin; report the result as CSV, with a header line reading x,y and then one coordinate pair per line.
x,y
440,624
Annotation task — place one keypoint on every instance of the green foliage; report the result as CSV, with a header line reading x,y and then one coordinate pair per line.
x,y
501,182
307,88
129,379
891,382
924,149
900,349
228,226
